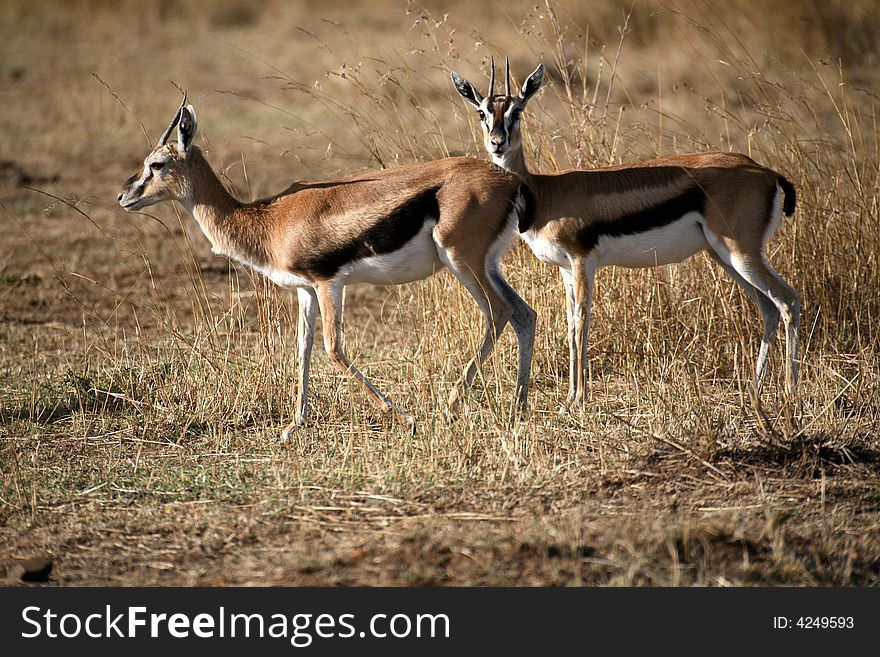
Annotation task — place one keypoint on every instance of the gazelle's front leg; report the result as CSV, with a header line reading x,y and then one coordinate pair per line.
x,y
583,273
330,302
568,283
307,307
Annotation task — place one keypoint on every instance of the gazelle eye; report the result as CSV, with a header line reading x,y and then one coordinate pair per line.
x,y
156,166
482,115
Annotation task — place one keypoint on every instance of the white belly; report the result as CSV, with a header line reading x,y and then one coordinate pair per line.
x,y
553,253
417,259
673,242
283,278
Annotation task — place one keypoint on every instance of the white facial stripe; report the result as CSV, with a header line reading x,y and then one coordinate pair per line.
x,y
145,176
486,117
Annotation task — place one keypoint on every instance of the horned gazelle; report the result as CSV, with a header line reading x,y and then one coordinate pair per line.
x,y
383,227
650,213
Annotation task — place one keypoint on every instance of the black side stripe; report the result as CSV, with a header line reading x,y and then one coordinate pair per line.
x,y
385,236
527,215
649,218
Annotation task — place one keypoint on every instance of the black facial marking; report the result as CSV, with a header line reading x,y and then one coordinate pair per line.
x,y
385,236
661,214
499,115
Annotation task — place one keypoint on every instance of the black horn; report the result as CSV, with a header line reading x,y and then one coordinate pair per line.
x,y
492,77
507,74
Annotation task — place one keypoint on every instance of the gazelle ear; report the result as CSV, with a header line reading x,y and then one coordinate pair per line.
x,y
466,89
186,129
532,84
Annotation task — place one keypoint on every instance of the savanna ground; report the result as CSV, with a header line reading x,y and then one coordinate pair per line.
x,y
143,382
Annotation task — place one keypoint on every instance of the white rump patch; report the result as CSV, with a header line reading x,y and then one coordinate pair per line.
x,y
775,218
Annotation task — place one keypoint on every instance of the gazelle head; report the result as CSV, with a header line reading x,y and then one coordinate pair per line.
x,y
500,114
164,176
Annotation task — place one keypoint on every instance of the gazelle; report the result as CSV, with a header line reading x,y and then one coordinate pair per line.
x,y
384,227
646,214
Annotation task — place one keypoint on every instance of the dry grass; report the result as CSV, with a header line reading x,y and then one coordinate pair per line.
x,y
143,382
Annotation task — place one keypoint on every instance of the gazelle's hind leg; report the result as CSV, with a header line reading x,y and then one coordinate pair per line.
x,y
790,307
523,319
499,304
471,249
768,310
330,302
493,306
754,268
757,271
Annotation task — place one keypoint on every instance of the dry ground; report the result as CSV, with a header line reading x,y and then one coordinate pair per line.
x,y
143,382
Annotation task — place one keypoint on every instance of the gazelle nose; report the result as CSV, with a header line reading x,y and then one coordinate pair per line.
x,y
119,198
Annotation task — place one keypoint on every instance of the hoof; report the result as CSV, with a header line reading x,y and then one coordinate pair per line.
x,y
396,415
408,421
288,432
456,397
450,414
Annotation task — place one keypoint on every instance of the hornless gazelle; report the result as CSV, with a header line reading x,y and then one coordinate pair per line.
x,y
383,227
646,214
